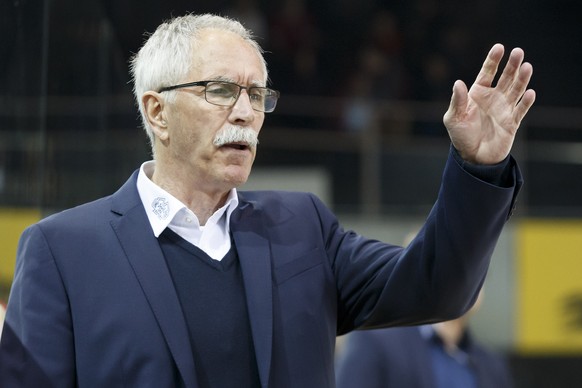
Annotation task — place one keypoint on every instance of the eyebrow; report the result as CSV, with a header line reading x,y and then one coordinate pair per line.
x,y
221,78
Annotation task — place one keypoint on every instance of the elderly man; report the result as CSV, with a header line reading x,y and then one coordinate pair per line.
x,y
180,280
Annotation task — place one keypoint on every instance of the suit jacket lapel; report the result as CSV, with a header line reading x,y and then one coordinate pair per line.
x,y
250,237
146,258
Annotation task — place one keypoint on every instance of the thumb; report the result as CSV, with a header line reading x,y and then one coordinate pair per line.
x,y
458,104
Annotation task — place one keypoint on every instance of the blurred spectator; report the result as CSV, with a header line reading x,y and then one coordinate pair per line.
x,y
293,27
382,56
442,355
295,38
386,71
358,113
434,83
383,32
378,78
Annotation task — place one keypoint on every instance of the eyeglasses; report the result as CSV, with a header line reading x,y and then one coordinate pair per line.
x,y
227,93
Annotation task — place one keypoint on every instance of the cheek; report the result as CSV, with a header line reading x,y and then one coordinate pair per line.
x,y
196,134
187,145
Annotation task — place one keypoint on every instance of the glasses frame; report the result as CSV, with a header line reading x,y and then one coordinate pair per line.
x,y
240,88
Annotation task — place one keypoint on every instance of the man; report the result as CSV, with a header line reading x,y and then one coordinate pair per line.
x,y
177,279
441,355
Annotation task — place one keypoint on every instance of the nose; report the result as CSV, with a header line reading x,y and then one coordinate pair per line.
x,y
242,110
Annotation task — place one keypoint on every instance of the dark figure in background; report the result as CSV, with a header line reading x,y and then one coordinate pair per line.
x,y
441,355
180,280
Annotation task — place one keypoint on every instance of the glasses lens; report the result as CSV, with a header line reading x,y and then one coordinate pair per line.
x,y
226,94
263,99
257,96
222,93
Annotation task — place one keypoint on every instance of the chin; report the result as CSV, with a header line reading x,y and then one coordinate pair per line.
x,y
232,173
238,179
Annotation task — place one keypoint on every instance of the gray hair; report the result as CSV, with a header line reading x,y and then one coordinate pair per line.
x,y
167,55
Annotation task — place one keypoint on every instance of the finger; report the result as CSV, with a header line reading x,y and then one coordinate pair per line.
x,y
524,104
520,85
511,69
489,68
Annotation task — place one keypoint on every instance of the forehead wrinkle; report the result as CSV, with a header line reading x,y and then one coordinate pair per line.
x,y
231,80
221,78
258,83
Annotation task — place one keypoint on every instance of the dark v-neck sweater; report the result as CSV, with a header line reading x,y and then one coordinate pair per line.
x,y
213,300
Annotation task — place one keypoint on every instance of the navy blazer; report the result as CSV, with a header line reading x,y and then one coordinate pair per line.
x,y
400,357
93,303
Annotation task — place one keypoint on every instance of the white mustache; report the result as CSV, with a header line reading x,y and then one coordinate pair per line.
x,y
236,134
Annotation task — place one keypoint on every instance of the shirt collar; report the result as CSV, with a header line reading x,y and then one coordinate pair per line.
x,y
430,334
161,207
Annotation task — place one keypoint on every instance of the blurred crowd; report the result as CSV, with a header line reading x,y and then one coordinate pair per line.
x,y
402,50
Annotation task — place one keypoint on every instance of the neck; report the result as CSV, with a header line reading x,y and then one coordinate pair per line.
x,y
202,201
451,332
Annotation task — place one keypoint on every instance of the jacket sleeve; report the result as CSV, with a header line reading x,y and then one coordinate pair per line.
x,y
37,344
438,276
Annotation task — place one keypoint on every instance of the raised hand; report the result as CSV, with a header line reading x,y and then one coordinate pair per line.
x,y
482,122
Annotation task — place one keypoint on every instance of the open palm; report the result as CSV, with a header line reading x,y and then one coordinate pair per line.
x,y
482,122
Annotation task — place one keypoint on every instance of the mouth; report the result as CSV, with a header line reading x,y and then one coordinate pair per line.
x,y
237,146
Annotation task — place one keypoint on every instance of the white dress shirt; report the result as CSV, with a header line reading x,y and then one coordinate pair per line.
x,y
166,211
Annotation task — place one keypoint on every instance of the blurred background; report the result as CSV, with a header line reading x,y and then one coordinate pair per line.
x,y
364,86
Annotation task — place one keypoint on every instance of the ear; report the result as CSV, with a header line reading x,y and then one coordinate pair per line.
x,y
154,105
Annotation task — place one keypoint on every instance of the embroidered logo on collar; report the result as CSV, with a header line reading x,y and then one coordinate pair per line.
x,y
161,208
